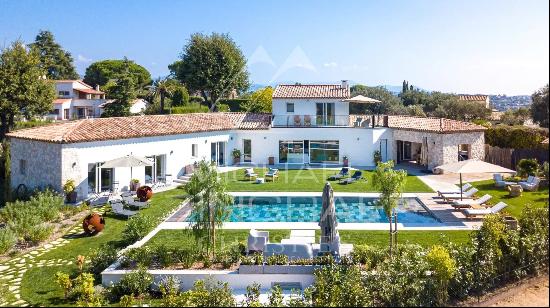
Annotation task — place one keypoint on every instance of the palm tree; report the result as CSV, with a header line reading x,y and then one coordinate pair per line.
x,y
391,184
210,201
163,88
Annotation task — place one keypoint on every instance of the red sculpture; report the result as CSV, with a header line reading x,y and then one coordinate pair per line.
x,y
144,193
93,224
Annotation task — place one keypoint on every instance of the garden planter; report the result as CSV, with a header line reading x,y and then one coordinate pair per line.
x,y
93,224
144,193
134,186
251,269
289,269
346,162
271,160
236,160
511,223
71,197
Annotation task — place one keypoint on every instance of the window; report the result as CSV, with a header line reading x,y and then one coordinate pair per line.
x,y
63,93
66,114
195,150
54,111
291,152
289,107
247,150
22,167
324,151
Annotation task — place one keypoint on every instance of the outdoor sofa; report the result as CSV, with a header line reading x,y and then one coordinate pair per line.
x,y
532,183
500,182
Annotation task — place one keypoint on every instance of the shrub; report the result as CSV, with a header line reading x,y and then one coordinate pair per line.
x,y
38,233
367,255
195,99
277,260
339,286
136,283
65,282
190,108
102,258
515,137
527,167
544,170
7,240
207,294
443,268
140,256
138,227
184,256
324,260
83,291
377,156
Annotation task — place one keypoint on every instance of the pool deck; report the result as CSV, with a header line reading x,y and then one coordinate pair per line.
x,y
449,218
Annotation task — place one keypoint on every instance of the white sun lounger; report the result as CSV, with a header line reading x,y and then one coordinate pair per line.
x,y
465,187
469,203
483,212
466,195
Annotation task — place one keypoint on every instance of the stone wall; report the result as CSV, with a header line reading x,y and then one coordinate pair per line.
x,y
42,162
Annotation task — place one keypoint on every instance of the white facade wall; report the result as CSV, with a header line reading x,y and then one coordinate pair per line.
x,y
308,107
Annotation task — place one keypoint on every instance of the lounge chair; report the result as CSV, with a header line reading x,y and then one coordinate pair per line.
x,y
356,176
118,209
307,120
343,173
138,204
461,204
297,120
464,188
532,183
272,174
470,213
465,195
250,174
257,240
500,182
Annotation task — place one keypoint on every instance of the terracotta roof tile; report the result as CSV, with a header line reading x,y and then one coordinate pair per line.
x,y
61,100
311,91
423,124
465,97
142,126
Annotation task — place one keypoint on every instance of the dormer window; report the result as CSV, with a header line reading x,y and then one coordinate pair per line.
x,y
289,107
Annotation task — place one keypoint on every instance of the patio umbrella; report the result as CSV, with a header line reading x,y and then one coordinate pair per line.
x,y
473,166
328,222
361,100
128,161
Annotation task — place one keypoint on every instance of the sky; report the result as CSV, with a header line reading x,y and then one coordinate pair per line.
x,y
459,46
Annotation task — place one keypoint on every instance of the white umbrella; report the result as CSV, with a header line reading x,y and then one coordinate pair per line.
x,y
473,166
362,100
328,222
127,161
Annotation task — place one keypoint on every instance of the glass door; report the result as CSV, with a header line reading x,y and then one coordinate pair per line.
x,y
217,153
325,114
384,149
247,150
407,147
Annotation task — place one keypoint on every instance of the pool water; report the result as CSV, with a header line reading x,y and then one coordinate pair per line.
x,y
308,209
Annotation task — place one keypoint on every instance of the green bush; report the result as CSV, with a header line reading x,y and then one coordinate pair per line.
x,y
527,167
7,240
180,97
102,258
277,260
185,257
195,99
136,283
140,256
235,105
190,108
515,137
38,233
138,227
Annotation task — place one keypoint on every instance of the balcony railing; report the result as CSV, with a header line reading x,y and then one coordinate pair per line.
x,y
359,121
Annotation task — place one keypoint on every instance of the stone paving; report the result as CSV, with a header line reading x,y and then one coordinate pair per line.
x,y
12,271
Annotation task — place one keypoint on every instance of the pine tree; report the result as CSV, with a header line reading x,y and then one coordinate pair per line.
x,y
57,62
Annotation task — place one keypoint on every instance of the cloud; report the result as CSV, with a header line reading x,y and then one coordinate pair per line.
x,y
330,64
81,58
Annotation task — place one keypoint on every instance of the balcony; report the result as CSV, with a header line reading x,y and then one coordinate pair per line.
x,y
358,121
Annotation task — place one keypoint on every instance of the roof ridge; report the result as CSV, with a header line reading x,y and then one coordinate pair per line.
x,y
71,129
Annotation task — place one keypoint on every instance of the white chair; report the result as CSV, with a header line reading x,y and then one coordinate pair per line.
x,y
257,240
464,188
466,195
500,182
532,183
469,213
459,204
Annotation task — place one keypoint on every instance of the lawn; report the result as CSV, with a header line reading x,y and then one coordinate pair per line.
x,y
178,238
515,204
310,180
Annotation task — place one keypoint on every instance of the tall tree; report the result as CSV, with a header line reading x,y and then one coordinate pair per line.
x,y
24,90
210,203
57,62
102,73
391,184
260,101
180,96
539,107
122,91
213,65
162,88
389,102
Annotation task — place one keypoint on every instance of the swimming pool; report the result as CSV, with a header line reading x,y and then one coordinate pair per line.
x,y
308,209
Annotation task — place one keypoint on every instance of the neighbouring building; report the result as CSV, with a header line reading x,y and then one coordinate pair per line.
x,y
483,100
310,125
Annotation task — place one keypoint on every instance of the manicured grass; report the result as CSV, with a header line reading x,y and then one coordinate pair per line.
x,y
39,288
515,204
183,238
310,180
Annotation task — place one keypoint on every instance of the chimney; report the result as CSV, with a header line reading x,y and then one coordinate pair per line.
x,y
345,84
97,87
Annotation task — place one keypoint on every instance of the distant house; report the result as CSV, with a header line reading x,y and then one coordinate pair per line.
x,y
137,106
76,100
481,99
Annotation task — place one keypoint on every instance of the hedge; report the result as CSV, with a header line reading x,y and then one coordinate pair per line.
x,y
515,137
235,105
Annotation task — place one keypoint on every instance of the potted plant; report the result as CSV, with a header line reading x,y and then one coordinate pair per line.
x,y
346,161
236,156
377,156
70,191
271,160
134,184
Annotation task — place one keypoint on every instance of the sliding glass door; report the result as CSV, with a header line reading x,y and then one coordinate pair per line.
x,y
324,151
325,114
291,152
217,153
247,150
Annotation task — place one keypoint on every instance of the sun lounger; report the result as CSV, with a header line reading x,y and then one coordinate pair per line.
x,y
138,204
483,212
464,188
466,195
343,173
118,209
460,204
532,183
250,174
500,182
356,176
272,174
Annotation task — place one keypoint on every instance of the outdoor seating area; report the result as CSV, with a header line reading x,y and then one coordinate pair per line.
x,y
357,175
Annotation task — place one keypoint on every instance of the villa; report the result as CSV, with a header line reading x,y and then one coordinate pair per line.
x,y
78,100
310,126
